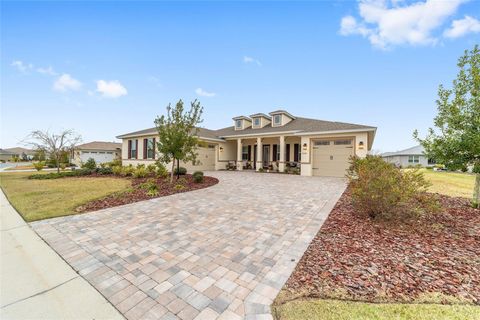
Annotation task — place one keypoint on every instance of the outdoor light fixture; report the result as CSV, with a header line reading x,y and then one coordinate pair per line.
x,y
221,149
360,145
304,146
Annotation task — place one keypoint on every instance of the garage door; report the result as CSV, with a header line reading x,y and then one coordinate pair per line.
x,y
330,158
206,157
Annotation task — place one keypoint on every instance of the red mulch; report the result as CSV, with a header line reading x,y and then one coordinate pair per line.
x,y
376,261
165,188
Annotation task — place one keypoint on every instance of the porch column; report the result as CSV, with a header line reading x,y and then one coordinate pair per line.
x,y
281,162
259,154
239,154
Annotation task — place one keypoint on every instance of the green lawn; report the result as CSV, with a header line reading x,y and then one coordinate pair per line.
x,y
347,310
453,184
41,199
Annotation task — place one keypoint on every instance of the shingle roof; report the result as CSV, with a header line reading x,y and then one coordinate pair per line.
x,y
3,151
202,132
413,151
20,150
299,124
100,145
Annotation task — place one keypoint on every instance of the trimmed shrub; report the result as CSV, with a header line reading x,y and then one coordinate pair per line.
x,y
105,170
63,165
197,176
117,170
140,172
38,165
128,170
179,187
161,171
151,187
90,164
380,190
181,171
151,168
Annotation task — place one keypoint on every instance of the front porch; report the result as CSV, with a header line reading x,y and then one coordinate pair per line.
x,y
273,154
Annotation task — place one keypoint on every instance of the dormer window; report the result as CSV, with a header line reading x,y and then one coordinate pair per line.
x,y
277,119
256,122
238,124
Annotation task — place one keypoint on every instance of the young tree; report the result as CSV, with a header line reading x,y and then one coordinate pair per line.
x,y
177,131
54,145
456,143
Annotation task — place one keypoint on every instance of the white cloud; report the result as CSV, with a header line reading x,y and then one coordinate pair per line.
x,y
49,71
21,66
386,24
66,82
463,26
247,59
111,89
203,93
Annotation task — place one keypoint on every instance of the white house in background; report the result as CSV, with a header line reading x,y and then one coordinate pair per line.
x,y
278,141
99,151
409,157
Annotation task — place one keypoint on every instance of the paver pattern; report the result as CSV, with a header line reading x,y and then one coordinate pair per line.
x,y
218,253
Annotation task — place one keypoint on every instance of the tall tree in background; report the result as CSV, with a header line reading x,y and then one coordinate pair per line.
x,y
177,131
52,144
456,142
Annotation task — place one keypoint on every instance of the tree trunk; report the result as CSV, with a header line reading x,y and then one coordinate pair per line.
x,y
57,162
173,170
178,169
476,191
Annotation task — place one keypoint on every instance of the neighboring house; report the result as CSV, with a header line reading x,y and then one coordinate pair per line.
x,y
99,151
22,153
409,157
275,141
6,155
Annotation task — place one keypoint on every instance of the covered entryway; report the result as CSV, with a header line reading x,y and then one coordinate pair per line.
x,y
330,157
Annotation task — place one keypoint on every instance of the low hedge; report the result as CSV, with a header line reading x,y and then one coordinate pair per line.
x,y
181,171
58,175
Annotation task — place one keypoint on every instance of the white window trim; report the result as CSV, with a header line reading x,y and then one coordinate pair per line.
x,y
279,123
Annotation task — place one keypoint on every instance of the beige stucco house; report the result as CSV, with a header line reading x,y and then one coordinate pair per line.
x,y
278,141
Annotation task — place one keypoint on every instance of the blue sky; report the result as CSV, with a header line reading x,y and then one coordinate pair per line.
x,y
107,68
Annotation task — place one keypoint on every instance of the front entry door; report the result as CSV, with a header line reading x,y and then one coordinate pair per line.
x,y
266,155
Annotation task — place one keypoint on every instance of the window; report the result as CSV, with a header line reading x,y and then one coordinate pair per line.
x,y
132,149
238,124
244,152
296,152
256,122
287,152
277,119
211,146
342,142
109,152
278,152
322,143
413,159
102,152
149,148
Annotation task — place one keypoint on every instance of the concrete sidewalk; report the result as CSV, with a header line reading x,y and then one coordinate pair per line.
x,y
36,283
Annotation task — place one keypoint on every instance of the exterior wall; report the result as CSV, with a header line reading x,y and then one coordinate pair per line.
x,y
402,161
307,145
226,151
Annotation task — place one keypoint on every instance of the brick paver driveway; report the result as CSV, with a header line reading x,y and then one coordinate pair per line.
x,y
224,251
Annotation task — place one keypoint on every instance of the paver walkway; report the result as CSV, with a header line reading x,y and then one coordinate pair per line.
x,y
222,252
36,283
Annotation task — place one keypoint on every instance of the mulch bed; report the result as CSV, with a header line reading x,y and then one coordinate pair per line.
x,y
354,257
165,188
